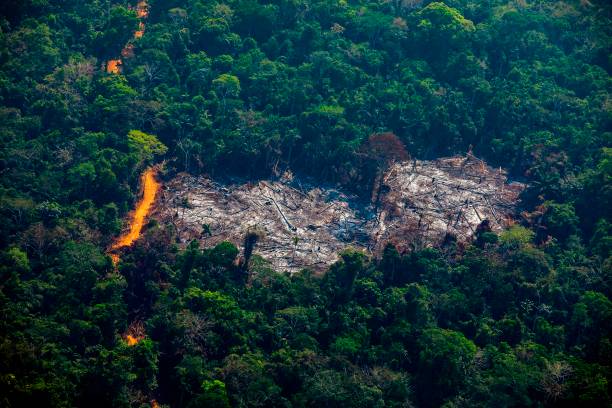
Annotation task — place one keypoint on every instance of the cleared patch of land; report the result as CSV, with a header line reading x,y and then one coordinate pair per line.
x,y
421,203
426,201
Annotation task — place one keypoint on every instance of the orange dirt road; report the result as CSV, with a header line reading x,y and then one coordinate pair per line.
x,y
150,186
142,11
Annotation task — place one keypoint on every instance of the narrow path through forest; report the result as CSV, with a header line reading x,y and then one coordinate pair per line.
x,y
113,66
149,185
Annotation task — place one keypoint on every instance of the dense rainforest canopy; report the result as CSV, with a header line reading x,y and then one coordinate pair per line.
x,y
254,87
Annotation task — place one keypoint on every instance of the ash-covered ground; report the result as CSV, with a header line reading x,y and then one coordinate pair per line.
x,y
420,204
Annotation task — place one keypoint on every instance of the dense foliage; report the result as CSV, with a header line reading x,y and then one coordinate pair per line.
x,y
251,87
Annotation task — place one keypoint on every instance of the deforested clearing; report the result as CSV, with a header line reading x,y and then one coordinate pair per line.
x,y
421,203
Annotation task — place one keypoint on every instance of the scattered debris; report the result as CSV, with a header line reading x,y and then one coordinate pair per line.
x,y
422,203
299,229
428,201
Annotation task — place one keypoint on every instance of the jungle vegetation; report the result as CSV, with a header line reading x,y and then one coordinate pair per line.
x,y
248,87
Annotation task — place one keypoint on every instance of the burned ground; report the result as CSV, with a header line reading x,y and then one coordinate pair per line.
x,y
428,201
421,203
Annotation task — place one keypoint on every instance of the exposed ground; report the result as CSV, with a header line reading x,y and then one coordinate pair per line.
x,y
426,200
150,187
420,203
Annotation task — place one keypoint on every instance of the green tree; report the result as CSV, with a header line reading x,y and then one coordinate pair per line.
x,y
145,146
445,361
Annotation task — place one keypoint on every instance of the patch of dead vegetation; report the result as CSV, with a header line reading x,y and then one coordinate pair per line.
x,y
428,202
422,203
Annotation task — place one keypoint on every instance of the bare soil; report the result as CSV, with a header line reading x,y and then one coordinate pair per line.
x,y
421,204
